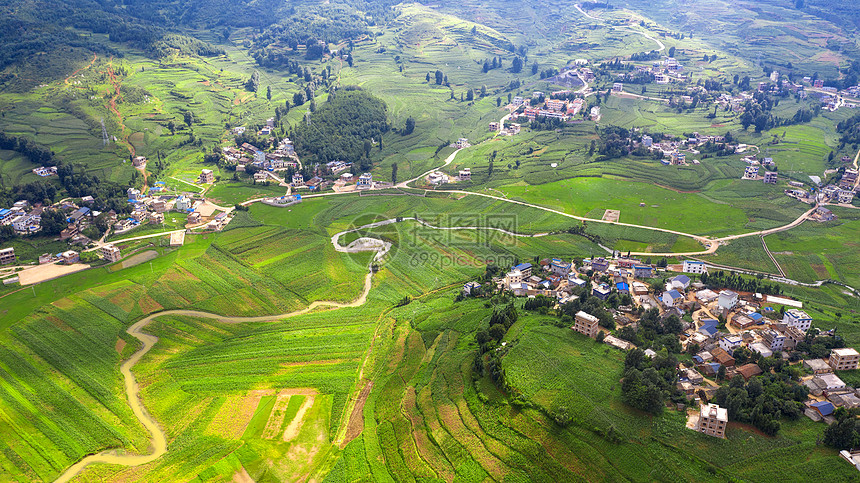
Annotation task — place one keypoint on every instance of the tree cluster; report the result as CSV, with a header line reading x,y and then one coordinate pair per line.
x,y
765,399
341,129
648,383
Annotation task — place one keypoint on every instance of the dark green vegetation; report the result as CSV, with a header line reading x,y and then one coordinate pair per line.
x,y
342,129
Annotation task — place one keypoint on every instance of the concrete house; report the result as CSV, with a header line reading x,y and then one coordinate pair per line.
x,y
365,180
730,343
694,266
560,268
7,256
206,176
643,272
110,253
525,268
797,319
771,177
727,300
844,359
586,324
680,282
713,420
70,257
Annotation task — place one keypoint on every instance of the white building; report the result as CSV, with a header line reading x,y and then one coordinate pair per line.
x,y
797,319
731,342
727,300
713,420
365,180
694,266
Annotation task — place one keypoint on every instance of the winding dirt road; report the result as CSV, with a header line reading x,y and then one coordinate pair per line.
x,y
158,439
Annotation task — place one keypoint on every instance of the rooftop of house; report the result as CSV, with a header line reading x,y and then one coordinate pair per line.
x,y
845,352
586,316
824,407
674,294
713,411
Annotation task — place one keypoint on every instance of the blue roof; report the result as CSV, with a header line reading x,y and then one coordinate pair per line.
x,y
159,182
674,294
755,316
709,322
694,262
3,211
84,210
707,330
642,268
824,407
682,278
622,286
715,366
523,266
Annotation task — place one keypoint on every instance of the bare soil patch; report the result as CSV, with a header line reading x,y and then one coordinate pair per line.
x,y
296,424
48,271
120,345
356,419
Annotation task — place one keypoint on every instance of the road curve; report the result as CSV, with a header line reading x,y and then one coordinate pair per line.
x,y
158,441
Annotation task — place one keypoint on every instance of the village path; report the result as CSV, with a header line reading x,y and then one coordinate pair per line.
x,y
158,442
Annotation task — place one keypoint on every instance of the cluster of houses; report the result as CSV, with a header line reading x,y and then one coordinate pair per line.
x,y
23,218
754,172
540,107
715,346
509,129
283,157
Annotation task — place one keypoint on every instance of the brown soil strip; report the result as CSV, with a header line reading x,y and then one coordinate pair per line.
x,y
120,345
356,419
426,448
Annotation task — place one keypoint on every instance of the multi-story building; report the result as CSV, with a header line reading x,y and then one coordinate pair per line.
x,y
365,180
751,172
298,179
465,174
846,196
586,324
207,176
110,253
773,339
727,300
7,256
694,266
771,177
70,257
797,319
730,343
525,268
844,359
713,420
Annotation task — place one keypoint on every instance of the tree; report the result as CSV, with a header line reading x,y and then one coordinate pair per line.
x,y
534,68
498,102
410,126
269,93
427,78
253,83
517,65
394,173
439,77
843,433
172,126
349,59
470,95
189,118
671,51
